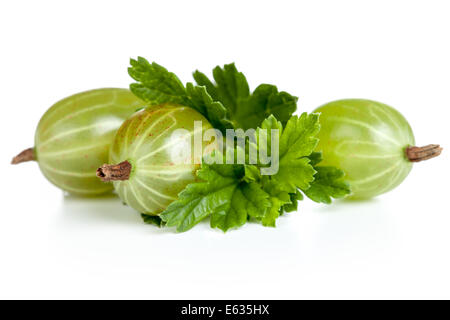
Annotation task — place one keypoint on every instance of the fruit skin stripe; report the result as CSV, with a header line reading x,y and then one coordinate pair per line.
x,y
364,125
162,169
69,101
113,124
378,175
167,146
122,188
51,154
125,144
157,175
374,114
361,156
139,143
394,180
136,130
72,116
161,135
154,191
68,173
388,116
138,199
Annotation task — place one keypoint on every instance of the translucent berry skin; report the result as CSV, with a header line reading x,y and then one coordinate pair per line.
x,y
74,136
162,163
366,139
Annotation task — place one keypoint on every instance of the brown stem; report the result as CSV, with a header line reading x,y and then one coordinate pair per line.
x,y
114,172
25,155
417,154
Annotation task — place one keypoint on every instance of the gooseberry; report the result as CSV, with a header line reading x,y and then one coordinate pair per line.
x,y
74,136
372,142
151,163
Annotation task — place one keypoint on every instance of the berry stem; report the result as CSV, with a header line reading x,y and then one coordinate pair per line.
x,y
24,156
417,154
114,172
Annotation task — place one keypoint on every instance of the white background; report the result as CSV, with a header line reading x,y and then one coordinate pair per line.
x,y
395,246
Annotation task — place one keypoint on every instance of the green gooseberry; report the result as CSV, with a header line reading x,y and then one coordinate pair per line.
x,y
74,136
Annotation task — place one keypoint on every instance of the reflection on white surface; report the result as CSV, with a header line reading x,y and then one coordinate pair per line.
x,y
105,210
352,249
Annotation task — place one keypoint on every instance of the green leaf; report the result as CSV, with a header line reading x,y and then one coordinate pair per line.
x,y
264,101
293,204
328,182
248,199
222,193
294,173
155,220
202,80
299,136
264,131
246,110
214,111
232,193
296,143
252,173
199,199
155,85
315,158
278,198
230,86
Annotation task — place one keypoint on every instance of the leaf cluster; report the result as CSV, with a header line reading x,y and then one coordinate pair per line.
x,y
232,194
